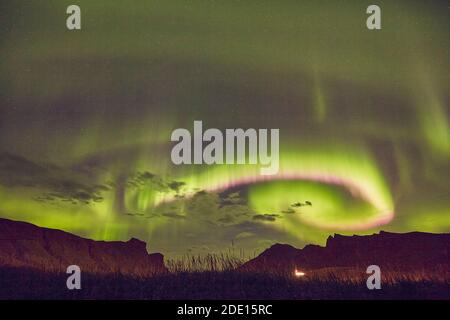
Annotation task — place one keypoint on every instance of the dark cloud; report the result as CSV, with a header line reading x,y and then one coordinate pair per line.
x,y
233,198
203,204
299,204
173,215
156,182
170,215
266,217
134,214
17,171
56,183
143,179
228,219
176,185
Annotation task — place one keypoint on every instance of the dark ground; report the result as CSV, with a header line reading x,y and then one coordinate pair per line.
x,y
31,284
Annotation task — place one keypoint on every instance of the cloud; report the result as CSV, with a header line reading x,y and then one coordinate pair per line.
x,y
203,204
299,204
266,217
134,214
173,215
146,179
228,219
55,183
176,185
245,235
233,198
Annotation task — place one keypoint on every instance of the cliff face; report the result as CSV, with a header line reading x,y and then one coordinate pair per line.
x,y
26,245
408,251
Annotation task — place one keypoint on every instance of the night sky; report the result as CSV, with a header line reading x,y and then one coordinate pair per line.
x,y
86,118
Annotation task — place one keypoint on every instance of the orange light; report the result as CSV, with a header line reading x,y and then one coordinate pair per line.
x,y
299,273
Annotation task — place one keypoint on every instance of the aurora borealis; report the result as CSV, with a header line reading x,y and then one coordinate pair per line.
x,y
86,118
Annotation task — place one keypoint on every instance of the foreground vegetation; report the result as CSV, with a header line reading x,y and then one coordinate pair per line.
x,y
326,284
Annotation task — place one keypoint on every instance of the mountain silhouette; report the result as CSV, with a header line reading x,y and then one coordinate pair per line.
x,y
25,245
392,251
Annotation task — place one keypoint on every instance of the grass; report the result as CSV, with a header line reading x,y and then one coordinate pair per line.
x,y
225,261
31,284
214,277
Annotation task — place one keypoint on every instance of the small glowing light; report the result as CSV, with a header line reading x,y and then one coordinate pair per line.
x,y
299,273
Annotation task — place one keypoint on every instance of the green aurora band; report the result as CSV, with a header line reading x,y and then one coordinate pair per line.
x,y
363,118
